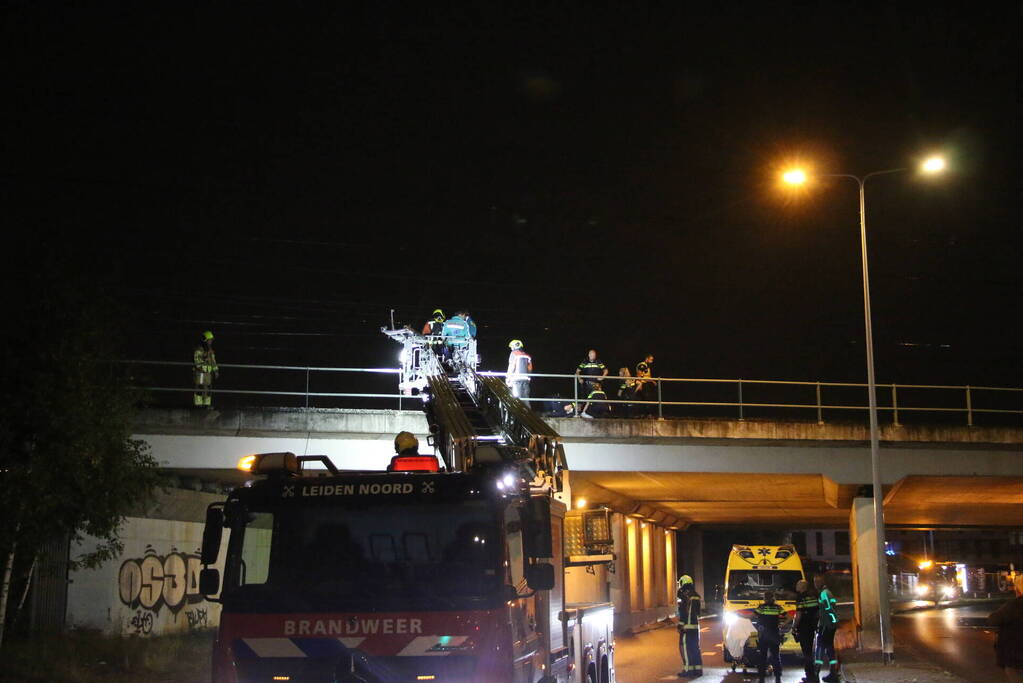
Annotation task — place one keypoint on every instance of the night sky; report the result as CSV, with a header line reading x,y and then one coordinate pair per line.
x,y
287,175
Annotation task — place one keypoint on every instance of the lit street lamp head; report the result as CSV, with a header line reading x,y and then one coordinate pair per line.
x,y
933,164
794,177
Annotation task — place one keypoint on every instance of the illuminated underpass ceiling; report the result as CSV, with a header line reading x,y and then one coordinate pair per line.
x,y
800,500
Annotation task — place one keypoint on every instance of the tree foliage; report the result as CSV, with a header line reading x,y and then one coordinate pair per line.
x,y
68,464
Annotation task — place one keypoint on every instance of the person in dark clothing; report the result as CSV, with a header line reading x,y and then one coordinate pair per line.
x,y
592,407
689,628
646,389
1009,646
626,392
826,626
590,371
805,627
769,619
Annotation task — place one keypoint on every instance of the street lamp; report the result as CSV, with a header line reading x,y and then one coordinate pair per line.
x,y
931,165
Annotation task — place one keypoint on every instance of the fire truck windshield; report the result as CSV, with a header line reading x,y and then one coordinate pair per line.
x,y
381,557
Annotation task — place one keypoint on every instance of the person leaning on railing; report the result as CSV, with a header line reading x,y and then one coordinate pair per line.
x,y
646,389
626,392
595,406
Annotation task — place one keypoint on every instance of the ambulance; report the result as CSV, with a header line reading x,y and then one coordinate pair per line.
x,y
753,569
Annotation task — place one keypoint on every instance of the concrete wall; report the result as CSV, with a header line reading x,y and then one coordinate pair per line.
x,y
153,587
643,585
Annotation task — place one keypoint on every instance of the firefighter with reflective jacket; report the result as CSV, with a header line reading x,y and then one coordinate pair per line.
x,y
689,628
520,364
769,619
805,627
204,369
826,627
435,325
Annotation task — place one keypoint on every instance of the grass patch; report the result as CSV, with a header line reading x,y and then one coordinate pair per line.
x,y
83,656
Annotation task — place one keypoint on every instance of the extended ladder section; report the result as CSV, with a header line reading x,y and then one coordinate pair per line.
x,y
474,420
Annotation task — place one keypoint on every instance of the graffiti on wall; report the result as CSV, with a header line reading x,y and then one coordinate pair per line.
x,y
153,582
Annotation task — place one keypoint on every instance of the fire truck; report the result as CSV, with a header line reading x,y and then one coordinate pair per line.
x,y
443,567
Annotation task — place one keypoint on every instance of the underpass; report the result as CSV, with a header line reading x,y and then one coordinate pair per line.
x,y
680,474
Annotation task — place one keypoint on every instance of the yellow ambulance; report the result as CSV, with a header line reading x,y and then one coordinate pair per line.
x,y
753,569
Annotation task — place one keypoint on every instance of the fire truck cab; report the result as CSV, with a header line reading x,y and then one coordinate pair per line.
x,y
414,574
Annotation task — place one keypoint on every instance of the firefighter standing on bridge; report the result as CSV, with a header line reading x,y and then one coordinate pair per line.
x,y
520,364
805,627
204,369
689,628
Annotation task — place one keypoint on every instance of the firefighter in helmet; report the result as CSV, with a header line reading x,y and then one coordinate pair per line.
x,y
435,325
406,443
204,369
520,364
689,628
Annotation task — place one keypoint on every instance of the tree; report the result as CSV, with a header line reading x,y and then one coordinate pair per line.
x,y
68,464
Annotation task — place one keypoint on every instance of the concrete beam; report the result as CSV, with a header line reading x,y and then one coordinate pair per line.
x,y
774,431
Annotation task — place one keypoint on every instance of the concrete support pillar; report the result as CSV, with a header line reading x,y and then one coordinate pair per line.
x,y
690,553
863,545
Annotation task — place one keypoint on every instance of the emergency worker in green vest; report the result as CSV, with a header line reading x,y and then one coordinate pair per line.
x,y
805,627
769,618
826,658
204,369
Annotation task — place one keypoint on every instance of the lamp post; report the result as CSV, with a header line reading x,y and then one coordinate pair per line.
x,y
798,177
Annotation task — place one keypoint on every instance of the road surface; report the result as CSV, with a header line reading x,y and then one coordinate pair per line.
x,y
933,637
653,656
937,636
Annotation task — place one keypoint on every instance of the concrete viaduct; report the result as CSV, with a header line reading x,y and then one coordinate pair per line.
x,y
678,473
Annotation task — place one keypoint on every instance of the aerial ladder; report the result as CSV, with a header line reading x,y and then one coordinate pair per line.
x,y
474,419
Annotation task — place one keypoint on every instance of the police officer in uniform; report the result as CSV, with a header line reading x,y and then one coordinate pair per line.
x,y
826,627
769,619
689,628
520,364
592,407
590,371
805,627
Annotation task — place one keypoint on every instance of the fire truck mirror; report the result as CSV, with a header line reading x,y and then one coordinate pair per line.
x,y
211,535
209,581
536,528
540,577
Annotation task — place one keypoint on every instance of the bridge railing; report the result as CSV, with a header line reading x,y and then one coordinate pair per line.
x,y
169,382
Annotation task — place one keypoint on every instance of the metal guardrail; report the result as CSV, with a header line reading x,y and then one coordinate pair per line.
x,y
958,399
